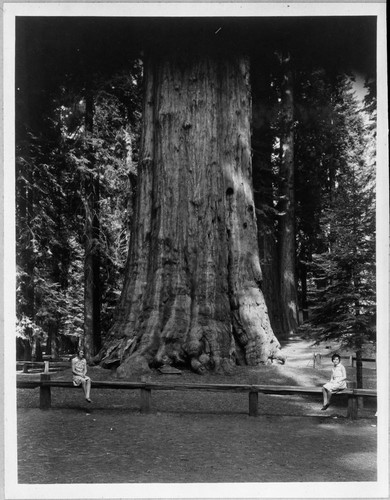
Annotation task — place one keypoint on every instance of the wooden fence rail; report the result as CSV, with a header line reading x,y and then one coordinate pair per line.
x,y
352,360
45,365
45,384
318,357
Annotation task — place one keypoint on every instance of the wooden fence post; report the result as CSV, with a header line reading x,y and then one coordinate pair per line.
x,y
44,393
145,400
253,403
317,360
352,411
352,407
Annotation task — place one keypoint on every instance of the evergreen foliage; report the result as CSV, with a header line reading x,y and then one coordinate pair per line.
x,y
50,169
344,269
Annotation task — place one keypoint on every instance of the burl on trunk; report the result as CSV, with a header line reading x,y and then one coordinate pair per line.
x,y
192,293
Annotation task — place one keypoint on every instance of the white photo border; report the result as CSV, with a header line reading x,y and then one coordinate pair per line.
x,y
13,490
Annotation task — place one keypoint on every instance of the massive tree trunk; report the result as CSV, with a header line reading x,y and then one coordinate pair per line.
x,y
192,291
287,251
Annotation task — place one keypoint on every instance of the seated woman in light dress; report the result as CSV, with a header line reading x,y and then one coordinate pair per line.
x,y
80,377
336,383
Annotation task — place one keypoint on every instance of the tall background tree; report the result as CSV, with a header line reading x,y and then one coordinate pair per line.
x,y
286,205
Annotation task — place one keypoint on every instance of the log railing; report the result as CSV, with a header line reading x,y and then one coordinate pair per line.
x,y
318,357
25,366
45,384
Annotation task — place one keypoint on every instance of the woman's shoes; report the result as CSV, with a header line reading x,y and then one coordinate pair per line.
x,y
325,407
89,401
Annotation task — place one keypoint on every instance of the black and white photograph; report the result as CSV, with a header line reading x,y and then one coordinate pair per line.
x,y
195,253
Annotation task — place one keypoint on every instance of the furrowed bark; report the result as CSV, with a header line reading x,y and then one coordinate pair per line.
x,y
192,289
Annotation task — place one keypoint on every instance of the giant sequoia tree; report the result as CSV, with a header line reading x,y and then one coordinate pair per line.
x,y
192,291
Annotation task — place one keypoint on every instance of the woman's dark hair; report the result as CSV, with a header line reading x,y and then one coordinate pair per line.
x,y
336,356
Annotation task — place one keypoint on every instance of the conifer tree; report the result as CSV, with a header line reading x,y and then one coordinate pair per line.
x,y
345,306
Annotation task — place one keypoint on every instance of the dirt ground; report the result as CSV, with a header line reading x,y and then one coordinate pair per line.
x,y
199,436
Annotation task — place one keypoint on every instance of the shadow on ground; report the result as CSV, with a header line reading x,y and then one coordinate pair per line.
x,y
127,447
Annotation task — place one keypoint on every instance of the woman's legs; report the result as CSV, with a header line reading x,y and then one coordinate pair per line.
x,y
86,384
88,390
326,395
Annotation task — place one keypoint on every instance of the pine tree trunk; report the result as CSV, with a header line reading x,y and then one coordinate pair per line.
x,y
304,300
52,345
27,257
287,265
92,298
359,369
36,350
192,287
263,184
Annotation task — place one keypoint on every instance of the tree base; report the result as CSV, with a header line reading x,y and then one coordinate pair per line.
x,y
133,365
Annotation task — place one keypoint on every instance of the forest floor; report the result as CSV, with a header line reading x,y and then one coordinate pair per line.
x,y
199,436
